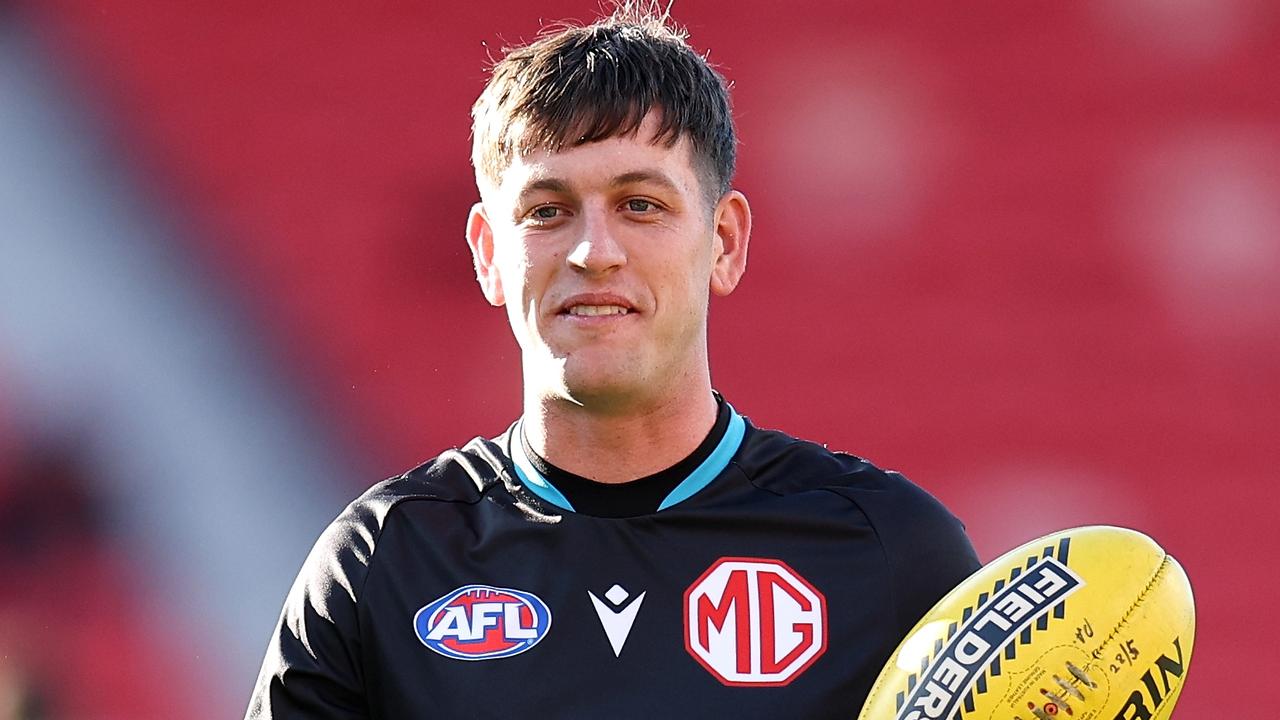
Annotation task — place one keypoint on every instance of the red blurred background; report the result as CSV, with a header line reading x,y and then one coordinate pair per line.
x,y
1027,253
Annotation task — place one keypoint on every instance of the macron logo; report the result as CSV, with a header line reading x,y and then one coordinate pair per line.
x,y
617,622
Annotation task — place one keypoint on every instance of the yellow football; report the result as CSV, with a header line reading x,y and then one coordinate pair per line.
x,y
1092,623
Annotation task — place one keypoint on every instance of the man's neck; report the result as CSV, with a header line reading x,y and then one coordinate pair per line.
x,y
618,445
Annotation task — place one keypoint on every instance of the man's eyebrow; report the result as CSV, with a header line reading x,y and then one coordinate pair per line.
x,y
656,177
549,184
558,185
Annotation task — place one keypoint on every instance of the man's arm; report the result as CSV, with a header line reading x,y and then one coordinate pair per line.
x,y
930,553
925,545
312,667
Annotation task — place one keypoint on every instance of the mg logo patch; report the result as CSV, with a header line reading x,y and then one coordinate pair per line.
x,y
482,622
752,621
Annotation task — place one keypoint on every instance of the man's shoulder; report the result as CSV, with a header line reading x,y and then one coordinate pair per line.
x,y
893,504
783,463
458,475
923,543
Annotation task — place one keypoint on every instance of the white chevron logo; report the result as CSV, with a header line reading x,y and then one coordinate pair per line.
x,y
617,623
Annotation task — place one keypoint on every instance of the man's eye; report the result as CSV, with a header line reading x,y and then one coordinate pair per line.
x,y
545,214
640,205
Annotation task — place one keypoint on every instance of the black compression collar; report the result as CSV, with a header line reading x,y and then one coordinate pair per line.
x,y
635,497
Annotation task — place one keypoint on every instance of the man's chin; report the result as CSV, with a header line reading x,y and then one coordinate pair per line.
x,y
601,392
601,388
596,377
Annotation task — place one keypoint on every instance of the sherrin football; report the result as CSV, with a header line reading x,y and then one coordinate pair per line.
x,y
1093,623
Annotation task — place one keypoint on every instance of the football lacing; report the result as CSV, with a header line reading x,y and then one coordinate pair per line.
x,y
1068,688
1059,700
1080,675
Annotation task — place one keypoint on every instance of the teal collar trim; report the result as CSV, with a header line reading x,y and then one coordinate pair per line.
x,y
716,462
701,477
529,474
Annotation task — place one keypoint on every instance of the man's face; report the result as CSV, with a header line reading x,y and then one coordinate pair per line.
x,y
603,255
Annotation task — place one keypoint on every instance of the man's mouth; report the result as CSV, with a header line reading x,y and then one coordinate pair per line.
x,y
597,310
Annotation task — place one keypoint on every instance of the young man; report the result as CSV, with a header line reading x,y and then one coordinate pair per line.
x,y
631,547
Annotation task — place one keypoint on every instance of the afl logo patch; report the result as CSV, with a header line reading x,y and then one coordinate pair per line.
x,y
754,622
482,622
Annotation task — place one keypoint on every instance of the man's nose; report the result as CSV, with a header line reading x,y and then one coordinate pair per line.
x,y
598,249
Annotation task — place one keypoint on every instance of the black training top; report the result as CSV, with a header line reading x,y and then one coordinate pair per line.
x,y
774,581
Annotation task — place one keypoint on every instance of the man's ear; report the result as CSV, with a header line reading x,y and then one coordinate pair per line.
x,y
733,231
480,239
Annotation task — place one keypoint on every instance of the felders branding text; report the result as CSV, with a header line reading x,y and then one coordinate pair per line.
x,y
992,627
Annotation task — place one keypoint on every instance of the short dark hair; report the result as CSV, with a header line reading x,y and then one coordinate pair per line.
x,y
581,84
